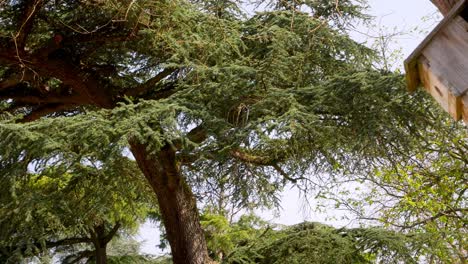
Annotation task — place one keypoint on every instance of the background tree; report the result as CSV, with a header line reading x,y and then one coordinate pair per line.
x,y
274,97
251,240
424,192
71,212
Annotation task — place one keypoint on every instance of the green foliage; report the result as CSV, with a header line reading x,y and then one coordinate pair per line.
x,y
252,240
59,203
283,95
223,237
126,250
317,243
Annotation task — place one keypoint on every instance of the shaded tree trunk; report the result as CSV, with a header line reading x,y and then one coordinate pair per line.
x,y
100,244
101,254
177,204
100,239
444,6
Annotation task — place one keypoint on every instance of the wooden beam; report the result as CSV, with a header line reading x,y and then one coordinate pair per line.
x,y
465,108
445,6
440,89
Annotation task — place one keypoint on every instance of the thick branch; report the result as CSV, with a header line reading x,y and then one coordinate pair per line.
x,y
45,110
25,25
87,84
106,239
46,99
148,85
67,242
444,5
16,78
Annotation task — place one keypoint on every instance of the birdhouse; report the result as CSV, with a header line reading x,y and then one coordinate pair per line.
x,y
440,63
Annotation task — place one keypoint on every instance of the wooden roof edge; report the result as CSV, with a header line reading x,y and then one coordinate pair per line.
x,y
412,78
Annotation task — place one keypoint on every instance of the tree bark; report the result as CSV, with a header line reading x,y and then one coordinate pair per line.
x,y
444,6
177,204
101,254
100,244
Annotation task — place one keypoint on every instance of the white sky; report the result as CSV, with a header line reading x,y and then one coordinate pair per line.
x,y
391,16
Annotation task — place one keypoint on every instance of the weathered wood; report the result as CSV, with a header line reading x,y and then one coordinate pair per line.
x,y
465,108
439,89
440,62
412,75
448,54
411,62
444,5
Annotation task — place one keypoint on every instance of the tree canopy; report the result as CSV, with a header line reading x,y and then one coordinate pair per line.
x,y
201,93
72,212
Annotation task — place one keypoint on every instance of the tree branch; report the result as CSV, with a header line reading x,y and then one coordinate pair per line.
x,y
107,238
26,22
434,217
262,161
54,98
148,85
253,159
45,110
16,78
283,173
67,242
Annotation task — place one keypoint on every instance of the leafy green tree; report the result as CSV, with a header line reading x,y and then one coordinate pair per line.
x,y
424,192
72,212
223,237
195,89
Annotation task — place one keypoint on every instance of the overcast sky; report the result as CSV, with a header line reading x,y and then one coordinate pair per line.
x,y
407,16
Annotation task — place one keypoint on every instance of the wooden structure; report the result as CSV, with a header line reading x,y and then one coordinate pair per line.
x,y
440,63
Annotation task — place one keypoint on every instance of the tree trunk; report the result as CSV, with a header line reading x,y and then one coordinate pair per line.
x,y
100,243
101,254
176,204
444,5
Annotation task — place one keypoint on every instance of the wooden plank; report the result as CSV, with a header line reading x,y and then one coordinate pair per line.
x,y
439,90
412,76
457,9
465,108
448,52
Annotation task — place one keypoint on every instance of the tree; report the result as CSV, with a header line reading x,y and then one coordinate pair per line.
x,y
424,192
251,240
71,212
184,84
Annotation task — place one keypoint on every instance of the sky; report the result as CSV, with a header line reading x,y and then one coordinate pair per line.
x,y
412,20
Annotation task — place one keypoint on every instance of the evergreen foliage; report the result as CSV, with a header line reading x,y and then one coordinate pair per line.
x,y
60,210
251,240
203,94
